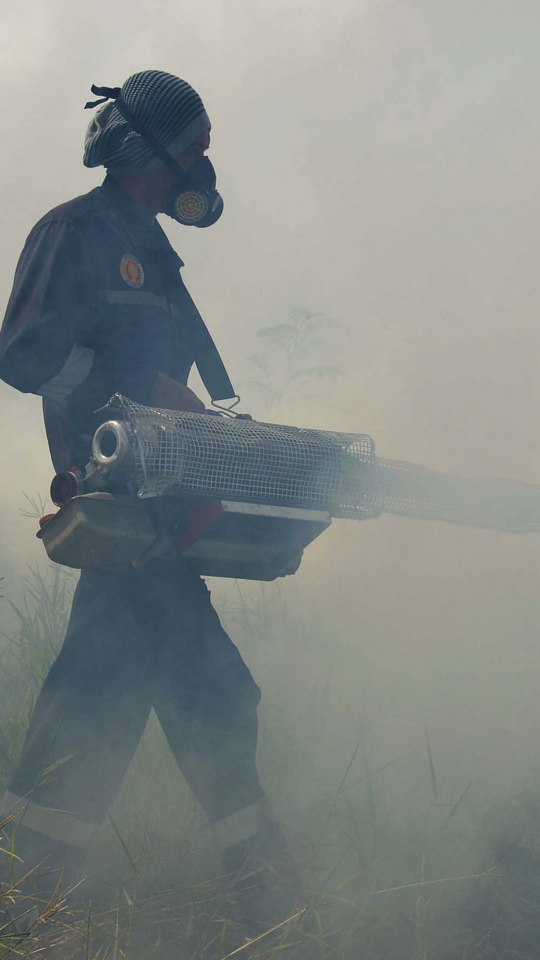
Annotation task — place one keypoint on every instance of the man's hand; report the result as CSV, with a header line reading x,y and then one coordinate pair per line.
x,y
171,395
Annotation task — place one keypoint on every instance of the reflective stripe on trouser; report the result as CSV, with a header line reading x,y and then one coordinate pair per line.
x,y
138,639
240,826
55,824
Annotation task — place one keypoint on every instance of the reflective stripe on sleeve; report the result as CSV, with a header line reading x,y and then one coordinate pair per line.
x,y
136,298
73,373
56,824
239,826
141,298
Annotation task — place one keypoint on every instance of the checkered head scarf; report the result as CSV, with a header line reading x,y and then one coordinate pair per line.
x,y
168,107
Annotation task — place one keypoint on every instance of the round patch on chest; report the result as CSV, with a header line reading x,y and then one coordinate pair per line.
x,y
132,270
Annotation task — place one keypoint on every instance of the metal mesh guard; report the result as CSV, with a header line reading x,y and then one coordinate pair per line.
x,y
214,456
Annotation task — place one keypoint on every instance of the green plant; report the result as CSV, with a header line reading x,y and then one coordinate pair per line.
x,y
294,357
29,648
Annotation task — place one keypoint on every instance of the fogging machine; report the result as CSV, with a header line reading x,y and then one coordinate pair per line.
x,y
239,498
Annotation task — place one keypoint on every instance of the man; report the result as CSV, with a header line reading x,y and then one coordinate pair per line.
x,y
98,306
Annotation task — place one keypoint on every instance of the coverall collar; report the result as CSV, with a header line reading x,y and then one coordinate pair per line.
x,y
130,213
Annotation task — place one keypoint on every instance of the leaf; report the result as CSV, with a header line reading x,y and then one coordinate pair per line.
x,y
132,863
326,372
60,763
278,334
259,361
454,809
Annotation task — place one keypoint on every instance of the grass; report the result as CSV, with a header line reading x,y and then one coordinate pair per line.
x,y
441,876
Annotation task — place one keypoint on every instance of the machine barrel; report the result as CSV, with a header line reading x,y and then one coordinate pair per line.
x,y
164,452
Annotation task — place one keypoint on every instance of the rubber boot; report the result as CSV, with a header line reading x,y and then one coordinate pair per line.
x,y
267,883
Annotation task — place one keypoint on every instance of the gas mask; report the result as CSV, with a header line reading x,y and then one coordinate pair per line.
x,y
194,200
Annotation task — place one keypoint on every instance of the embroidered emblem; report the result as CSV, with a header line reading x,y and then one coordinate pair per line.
x,y
132,270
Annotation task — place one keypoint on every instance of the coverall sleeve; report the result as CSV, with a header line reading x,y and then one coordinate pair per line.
x,y
39,341
48,344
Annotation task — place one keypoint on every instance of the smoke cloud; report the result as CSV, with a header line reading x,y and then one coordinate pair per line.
x,y
379,164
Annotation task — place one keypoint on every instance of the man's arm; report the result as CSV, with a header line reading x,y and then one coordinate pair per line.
x,y
171,395
39,352
49,313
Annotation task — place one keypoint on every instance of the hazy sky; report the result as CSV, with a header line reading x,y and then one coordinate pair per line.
x,y
379,163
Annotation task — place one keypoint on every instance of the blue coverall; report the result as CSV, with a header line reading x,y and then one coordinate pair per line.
x,y
98,306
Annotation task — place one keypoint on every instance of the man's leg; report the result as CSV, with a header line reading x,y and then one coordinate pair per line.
x,y
87,722
206,701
